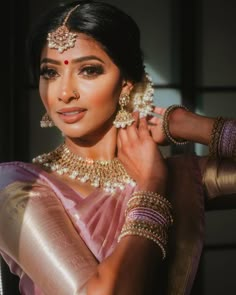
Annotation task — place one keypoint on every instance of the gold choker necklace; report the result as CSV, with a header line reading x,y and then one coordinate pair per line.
x,y
108,175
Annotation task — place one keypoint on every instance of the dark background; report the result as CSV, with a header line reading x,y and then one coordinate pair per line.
x,y
189,48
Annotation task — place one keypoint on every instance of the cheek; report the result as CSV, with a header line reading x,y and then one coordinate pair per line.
x,y
104,103
44,92
107,96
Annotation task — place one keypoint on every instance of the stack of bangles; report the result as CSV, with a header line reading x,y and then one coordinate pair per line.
x,y
223,139
148,215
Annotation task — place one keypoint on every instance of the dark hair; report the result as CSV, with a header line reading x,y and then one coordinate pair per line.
x,y
117,33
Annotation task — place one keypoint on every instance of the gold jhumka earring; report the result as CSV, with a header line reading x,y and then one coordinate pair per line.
x,y
46,121
123,117
62,39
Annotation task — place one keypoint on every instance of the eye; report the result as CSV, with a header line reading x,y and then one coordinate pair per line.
x,y
91,71
48,73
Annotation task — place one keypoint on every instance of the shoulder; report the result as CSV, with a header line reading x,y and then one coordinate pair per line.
x,y
17,171
21,179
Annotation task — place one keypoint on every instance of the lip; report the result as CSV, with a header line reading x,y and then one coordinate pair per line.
x,y
71,115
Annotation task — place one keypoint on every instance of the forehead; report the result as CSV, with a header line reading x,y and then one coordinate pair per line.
x,y
84,46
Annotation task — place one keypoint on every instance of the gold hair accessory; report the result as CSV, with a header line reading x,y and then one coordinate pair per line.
x,y
62,39
108,175
165,124
46,121
123,117
142,96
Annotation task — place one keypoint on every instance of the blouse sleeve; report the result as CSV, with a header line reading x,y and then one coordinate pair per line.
x,y
219,180
37,234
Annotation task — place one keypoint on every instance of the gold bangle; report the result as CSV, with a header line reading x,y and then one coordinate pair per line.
x,y
152,196
165,124
145,235
215,137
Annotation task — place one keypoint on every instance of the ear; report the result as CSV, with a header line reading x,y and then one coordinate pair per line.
x,y
127,86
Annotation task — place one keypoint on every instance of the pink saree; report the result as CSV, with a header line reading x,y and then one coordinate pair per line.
x,y
55,245
39,239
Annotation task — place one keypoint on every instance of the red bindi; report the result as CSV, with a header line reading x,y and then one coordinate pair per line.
x,y
66,62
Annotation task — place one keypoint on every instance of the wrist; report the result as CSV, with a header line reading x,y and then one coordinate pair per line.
x,y
148,215
169,132
155,184
157,187
190,126
178,120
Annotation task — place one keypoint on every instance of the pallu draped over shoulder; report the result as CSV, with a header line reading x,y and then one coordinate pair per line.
x,y
53,238
46,229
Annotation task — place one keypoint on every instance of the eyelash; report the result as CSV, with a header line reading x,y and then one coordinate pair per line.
x,y
89,72
92,71
48,73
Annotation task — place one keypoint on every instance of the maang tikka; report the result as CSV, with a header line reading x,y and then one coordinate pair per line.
x,y
62,39
123,118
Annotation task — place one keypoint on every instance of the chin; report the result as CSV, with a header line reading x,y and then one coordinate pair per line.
x,y
82,131
74,134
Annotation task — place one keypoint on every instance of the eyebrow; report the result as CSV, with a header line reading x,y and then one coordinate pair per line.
x,y
79,59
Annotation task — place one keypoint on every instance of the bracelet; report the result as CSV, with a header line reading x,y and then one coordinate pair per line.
x,y
144,235
148,214
227,141
139,204
150,201
165,124
152,196
215,137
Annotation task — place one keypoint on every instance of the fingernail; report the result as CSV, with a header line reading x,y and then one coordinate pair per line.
x,y
142,115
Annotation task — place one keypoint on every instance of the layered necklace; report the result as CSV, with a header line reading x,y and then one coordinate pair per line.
x,y
108,175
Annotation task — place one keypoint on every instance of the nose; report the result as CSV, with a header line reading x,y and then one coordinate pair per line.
x,y
68,95
68,89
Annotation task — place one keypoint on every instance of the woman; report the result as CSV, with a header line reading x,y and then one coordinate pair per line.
x,y
92,216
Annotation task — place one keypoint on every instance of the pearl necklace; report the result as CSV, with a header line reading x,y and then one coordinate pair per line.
x,y
108,175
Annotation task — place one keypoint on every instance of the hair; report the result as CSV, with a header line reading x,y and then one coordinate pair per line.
x,y
117,33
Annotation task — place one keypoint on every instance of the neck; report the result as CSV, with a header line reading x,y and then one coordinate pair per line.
x,y
97,147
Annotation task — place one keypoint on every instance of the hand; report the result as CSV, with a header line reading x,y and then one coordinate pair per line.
x,y
155,126
141,156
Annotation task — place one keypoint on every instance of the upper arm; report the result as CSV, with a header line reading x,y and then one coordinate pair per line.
x,y
219,182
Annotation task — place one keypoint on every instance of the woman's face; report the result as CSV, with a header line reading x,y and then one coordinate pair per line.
x,y
80,88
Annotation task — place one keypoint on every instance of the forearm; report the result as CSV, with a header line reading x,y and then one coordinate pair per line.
x,y
190,126
132,269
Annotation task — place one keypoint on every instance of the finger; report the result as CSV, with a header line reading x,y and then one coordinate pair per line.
x,y
143,127
159,110
122,135
132,131
154,121
136,118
